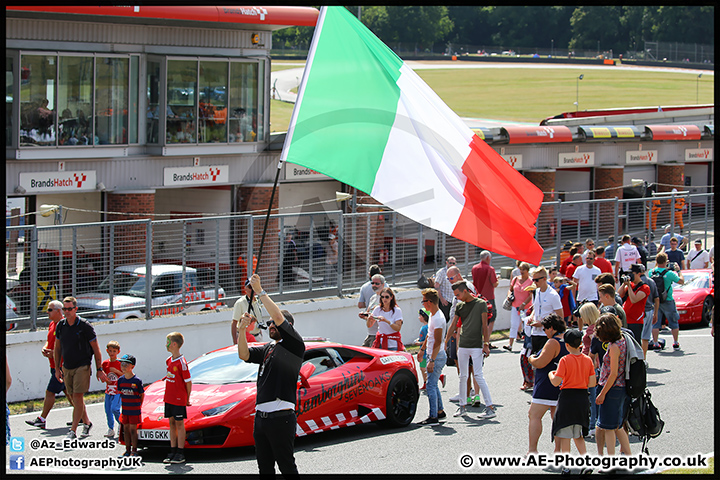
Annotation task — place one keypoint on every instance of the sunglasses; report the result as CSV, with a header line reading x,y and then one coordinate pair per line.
x,y
386,297
50,310
67,309
425,301
376,283
451,263
538,279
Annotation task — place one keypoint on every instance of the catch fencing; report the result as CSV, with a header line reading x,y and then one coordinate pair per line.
x,y
304,255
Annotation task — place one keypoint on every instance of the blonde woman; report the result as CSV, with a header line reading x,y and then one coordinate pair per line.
x,y
589,313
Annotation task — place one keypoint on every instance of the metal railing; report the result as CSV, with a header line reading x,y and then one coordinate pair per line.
x,y
298,257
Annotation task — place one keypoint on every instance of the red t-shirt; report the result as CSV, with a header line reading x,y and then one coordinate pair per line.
x,y
177,375
603,264
564,265
111,388
483,276
570,270
635,312
575,371
51,343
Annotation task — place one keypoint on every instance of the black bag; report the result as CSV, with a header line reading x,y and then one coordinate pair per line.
x,y
660,283
636,384
424,282
644,419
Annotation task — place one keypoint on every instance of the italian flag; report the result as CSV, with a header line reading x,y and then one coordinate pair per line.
x,y
366,119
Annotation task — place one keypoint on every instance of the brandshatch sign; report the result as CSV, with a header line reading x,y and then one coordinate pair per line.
x,y
48,182
641,157
205,175
576,159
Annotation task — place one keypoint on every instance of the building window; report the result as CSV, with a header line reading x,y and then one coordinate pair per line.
x,y
111,100
244,116
226,103
97,97
75,101
9,103
212,111
153,101
181,87
37,100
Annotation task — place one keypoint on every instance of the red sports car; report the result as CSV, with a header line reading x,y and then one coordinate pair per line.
x,y
339,386
694,299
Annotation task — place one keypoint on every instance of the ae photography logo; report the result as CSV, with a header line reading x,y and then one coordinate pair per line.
x,y
20,462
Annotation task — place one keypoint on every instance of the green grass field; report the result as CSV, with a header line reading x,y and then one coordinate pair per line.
x,y
532,94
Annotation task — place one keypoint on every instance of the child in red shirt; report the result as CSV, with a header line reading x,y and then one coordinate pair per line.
x,y
178,386
575,374
113,371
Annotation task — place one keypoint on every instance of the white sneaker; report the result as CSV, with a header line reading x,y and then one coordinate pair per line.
x,y
110,433
456,398
460,411
591,432
472,392
71,435
488,414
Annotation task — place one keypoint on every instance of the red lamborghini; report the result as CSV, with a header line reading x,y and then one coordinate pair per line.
x,y
694,299
339,386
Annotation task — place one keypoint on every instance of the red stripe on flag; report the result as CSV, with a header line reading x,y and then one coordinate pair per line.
x,y
501,206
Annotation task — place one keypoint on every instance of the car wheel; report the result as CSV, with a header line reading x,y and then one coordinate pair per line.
x,y
402,400
707,311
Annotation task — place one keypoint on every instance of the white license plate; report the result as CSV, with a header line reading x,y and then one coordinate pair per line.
x,y
154,434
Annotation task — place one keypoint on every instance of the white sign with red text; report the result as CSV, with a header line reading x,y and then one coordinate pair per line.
x,y
41,182
206,175
515,161
576,159
638,157
698,154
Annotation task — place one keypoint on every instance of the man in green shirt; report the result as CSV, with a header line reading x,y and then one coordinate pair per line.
x,y
472,314
667,310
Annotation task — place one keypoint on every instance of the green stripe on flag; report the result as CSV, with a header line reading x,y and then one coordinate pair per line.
x,y
347,103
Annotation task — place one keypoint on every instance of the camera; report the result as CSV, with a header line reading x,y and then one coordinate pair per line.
x,y
364,314
625,278
576,312
672,266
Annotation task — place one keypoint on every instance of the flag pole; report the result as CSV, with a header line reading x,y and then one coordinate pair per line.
x,y
267,216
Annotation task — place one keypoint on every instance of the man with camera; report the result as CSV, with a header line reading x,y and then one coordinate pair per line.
x,y
670,273
625,256
637,294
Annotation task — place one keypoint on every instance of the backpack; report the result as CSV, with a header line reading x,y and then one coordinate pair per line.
x,y
644,419
636,378
657,277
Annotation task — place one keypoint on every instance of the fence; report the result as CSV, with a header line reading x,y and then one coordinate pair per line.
x,y
298,255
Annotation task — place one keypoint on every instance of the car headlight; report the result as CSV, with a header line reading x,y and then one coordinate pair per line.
x,y
219,410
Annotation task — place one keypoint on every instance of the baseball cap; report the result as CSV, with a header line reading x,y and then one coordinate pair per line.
x,y
697,240
609,309
636,240
636,268
667,226
127,359
573,337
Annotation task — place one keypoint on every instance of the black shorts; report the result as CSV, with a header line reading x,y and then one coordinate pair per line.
x,y
54,385
178,412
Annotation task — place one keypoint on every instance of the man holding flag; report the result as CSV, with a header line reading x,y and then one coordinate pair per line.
x,y
366,119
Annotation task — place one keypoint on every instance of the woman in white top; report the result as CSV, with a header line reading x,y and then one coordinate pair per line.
x,y
389,318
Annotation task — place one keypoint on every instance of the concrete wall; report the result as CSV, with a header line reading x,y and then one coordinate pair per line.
x,y
333,318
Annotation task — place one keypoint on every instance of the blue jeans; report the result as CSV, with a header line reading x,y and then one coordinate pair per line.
x,y
433,389
593,406
112,409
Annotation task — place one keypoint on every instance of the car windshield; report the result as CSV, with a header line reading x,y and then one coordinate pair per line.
x,y
124,284
694,281
222,368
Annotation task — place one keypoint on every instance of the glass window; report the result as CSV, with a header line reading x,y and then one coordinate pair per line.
x,y
9,102
75,93
134,94
153,101
212,97
37,100
243,102
261,101
181,86
111,101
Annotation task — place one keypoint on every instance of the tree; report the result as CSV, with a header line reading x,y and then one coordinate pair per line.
x,y
419,25
590,25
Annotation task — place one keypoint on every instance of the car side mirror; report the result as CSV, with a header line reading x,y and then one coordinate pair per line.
x,y
306,372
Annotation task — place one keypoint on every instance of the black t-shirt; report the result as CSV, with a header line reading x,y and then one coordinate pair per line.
x,y
280,364
75,342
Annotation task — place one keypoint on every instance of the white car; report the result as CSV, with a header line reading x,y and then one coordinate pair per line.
x,y
10,314
167,290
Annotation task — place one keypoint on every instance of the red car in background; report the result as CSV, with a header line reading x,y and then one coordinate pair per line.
x,y
339,386
694,299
